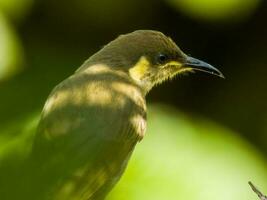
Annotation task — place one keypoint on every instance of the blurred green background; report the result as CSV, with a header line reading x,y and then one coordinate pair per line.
x,y
210,139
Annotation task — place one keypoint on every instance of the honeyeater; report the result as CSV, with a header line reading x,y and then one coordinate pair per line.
x,y
92,121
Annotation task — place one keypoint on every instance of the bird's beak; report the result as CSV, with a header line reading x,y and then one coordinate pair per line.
x,y
199,65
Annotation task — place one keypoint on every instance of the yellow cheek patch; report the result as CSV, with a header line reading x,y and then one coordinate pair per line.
x,y
138,71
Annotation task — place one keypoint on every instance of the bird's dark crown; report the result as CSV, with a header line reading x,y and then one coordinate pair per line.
x,y
127,49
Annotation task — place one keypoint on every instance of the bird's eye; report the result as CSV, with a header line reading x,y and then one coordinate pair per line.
x,y
162,58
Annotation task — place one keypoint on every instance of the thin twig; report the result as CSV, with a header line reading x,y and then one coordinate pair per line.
x,y
260,195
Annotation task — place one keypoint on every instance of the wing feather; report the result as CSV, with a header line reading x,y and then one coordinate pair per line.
x,y
88,130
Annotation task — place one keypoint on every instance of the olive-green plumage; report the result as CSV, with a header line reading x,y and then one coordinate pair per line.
x,y
92,121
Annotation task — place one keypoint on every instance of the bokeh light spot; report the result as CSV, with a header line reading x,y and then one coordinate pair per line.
x,y
10,50
222,10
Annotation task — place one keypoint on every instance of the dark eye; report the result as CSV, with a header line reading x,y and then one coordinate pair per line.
x,y
162,58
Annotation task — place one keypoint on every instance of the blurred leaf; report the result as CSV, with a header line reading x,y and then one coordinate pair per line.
x,y
15,9
16,138
179,158
10,50
15,147
183,158
210,10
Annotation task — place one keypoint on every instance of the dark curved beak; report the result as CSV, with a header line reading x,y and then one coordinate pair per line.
x,y
199,65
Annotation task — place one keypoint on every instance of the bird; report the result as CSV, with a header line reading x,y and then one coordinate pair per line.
x,y
92,120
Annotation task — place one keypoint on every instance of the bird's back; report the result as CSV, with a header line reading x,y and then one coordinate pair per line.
x,y
88,130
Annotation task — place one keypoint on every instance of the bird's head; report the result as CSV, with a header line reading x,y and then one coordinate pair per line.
x,y
149,58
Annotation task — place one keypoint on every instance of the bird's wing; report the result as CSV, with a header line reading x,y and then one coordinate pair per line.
x,y
89,127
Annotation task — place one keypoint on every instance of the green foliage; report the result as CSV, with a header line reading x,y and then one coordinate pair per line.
x,y
210,10
15,9
182,157
16,138
10,50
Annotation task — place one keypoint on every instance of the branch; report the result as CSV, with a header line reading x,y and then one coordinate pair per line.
x,y
260,195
